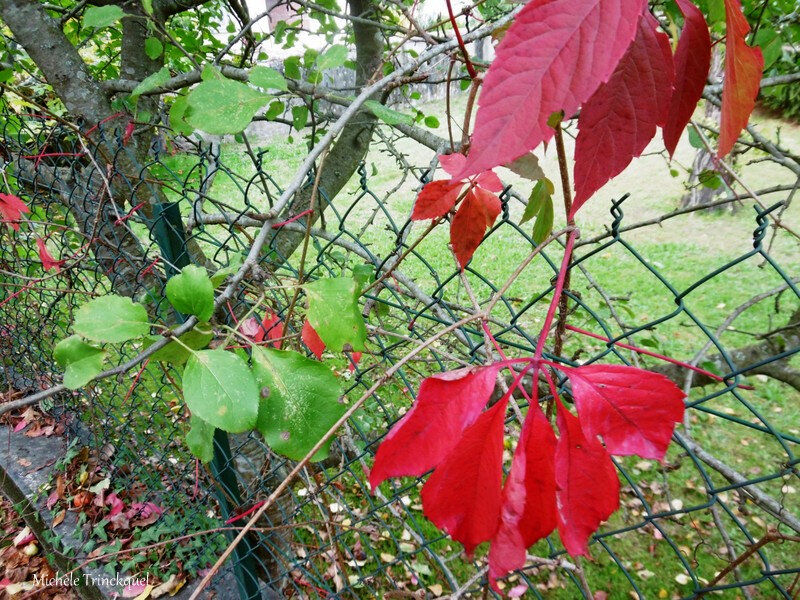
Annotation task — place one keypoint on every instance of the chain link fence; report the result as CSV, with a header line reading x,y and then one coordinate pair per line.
x,y
685,528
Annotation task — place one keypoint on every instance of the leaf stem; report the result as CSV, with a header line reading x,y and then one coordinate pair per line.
x,y
470,67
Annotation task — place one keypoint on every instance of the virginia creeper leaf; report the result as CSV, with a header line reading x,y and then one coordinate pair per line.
x,y
80,361
311,339
528,511
11,209
446,405
299,401
435,199
587,486
526,166
692,61
743,67
48,262
552,59
191,292
271,328
477,211
462,496
111,319
200,439
634,410
621,117
220,389
334,314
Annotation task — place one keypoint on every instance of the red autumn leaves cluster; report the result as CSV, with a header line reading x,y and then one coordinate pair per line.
x,y
608,59
567,482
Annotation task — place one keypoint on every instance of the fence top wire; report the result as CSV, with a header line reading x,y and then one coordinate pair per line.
x,y
328,536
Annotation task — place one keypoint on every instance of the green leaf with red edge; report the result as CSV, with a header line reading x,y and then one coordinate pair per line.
x,y
462,496
635,411
446,405
743,67
528,511
587,486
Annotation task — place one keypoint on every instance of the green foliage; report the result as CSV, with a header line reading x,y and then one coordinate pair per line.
x,y
333,311
81,361
219,388
152,82
153,47
102,16
111,319
200,439
191,292
178,351
333,57
268,78
220,105
388,115
299,401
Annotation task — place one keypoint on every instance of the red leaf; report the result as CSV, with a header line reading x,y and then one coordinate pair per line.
x,y
435,199
128,132
468,226
528,510
743,67
311,339
621,117
452,163
250,327
491,204
587,486
489,180
462,496
48,262
355,358
446,405
553,58
634,410
692,61
11,208
271,328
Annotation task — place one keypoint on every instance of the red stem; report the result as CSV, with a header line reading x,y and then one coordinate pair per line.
x,y
470,67
551,311
655,355
503,356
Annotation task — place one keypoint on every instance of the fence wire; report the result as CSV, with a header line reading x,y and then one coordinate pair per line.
x,y
328,536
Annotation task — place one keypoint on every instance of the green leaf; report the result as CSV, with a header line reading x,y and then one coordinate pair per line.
x,y
211,73
291,66
333,312
219,276
151,82
363,273
176,353
102,16
220,106
200,439
268,78
220,389
148,6
333,57
710,179
177,114
299,117
153,48
191,292
300,401
544,221
431,121
694,139
388,115
80,360
111,319
543,189
275,109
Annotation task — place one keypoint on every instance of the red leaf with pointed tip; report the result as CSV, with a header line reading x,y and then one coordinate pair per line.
x,y
491,205
692,61
462,496
743,67
634,410
435,199
311,339
489,180
587,486
48,262
528,510
11,208
468,226
271,328
452,163
552,58
621,117
446,405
